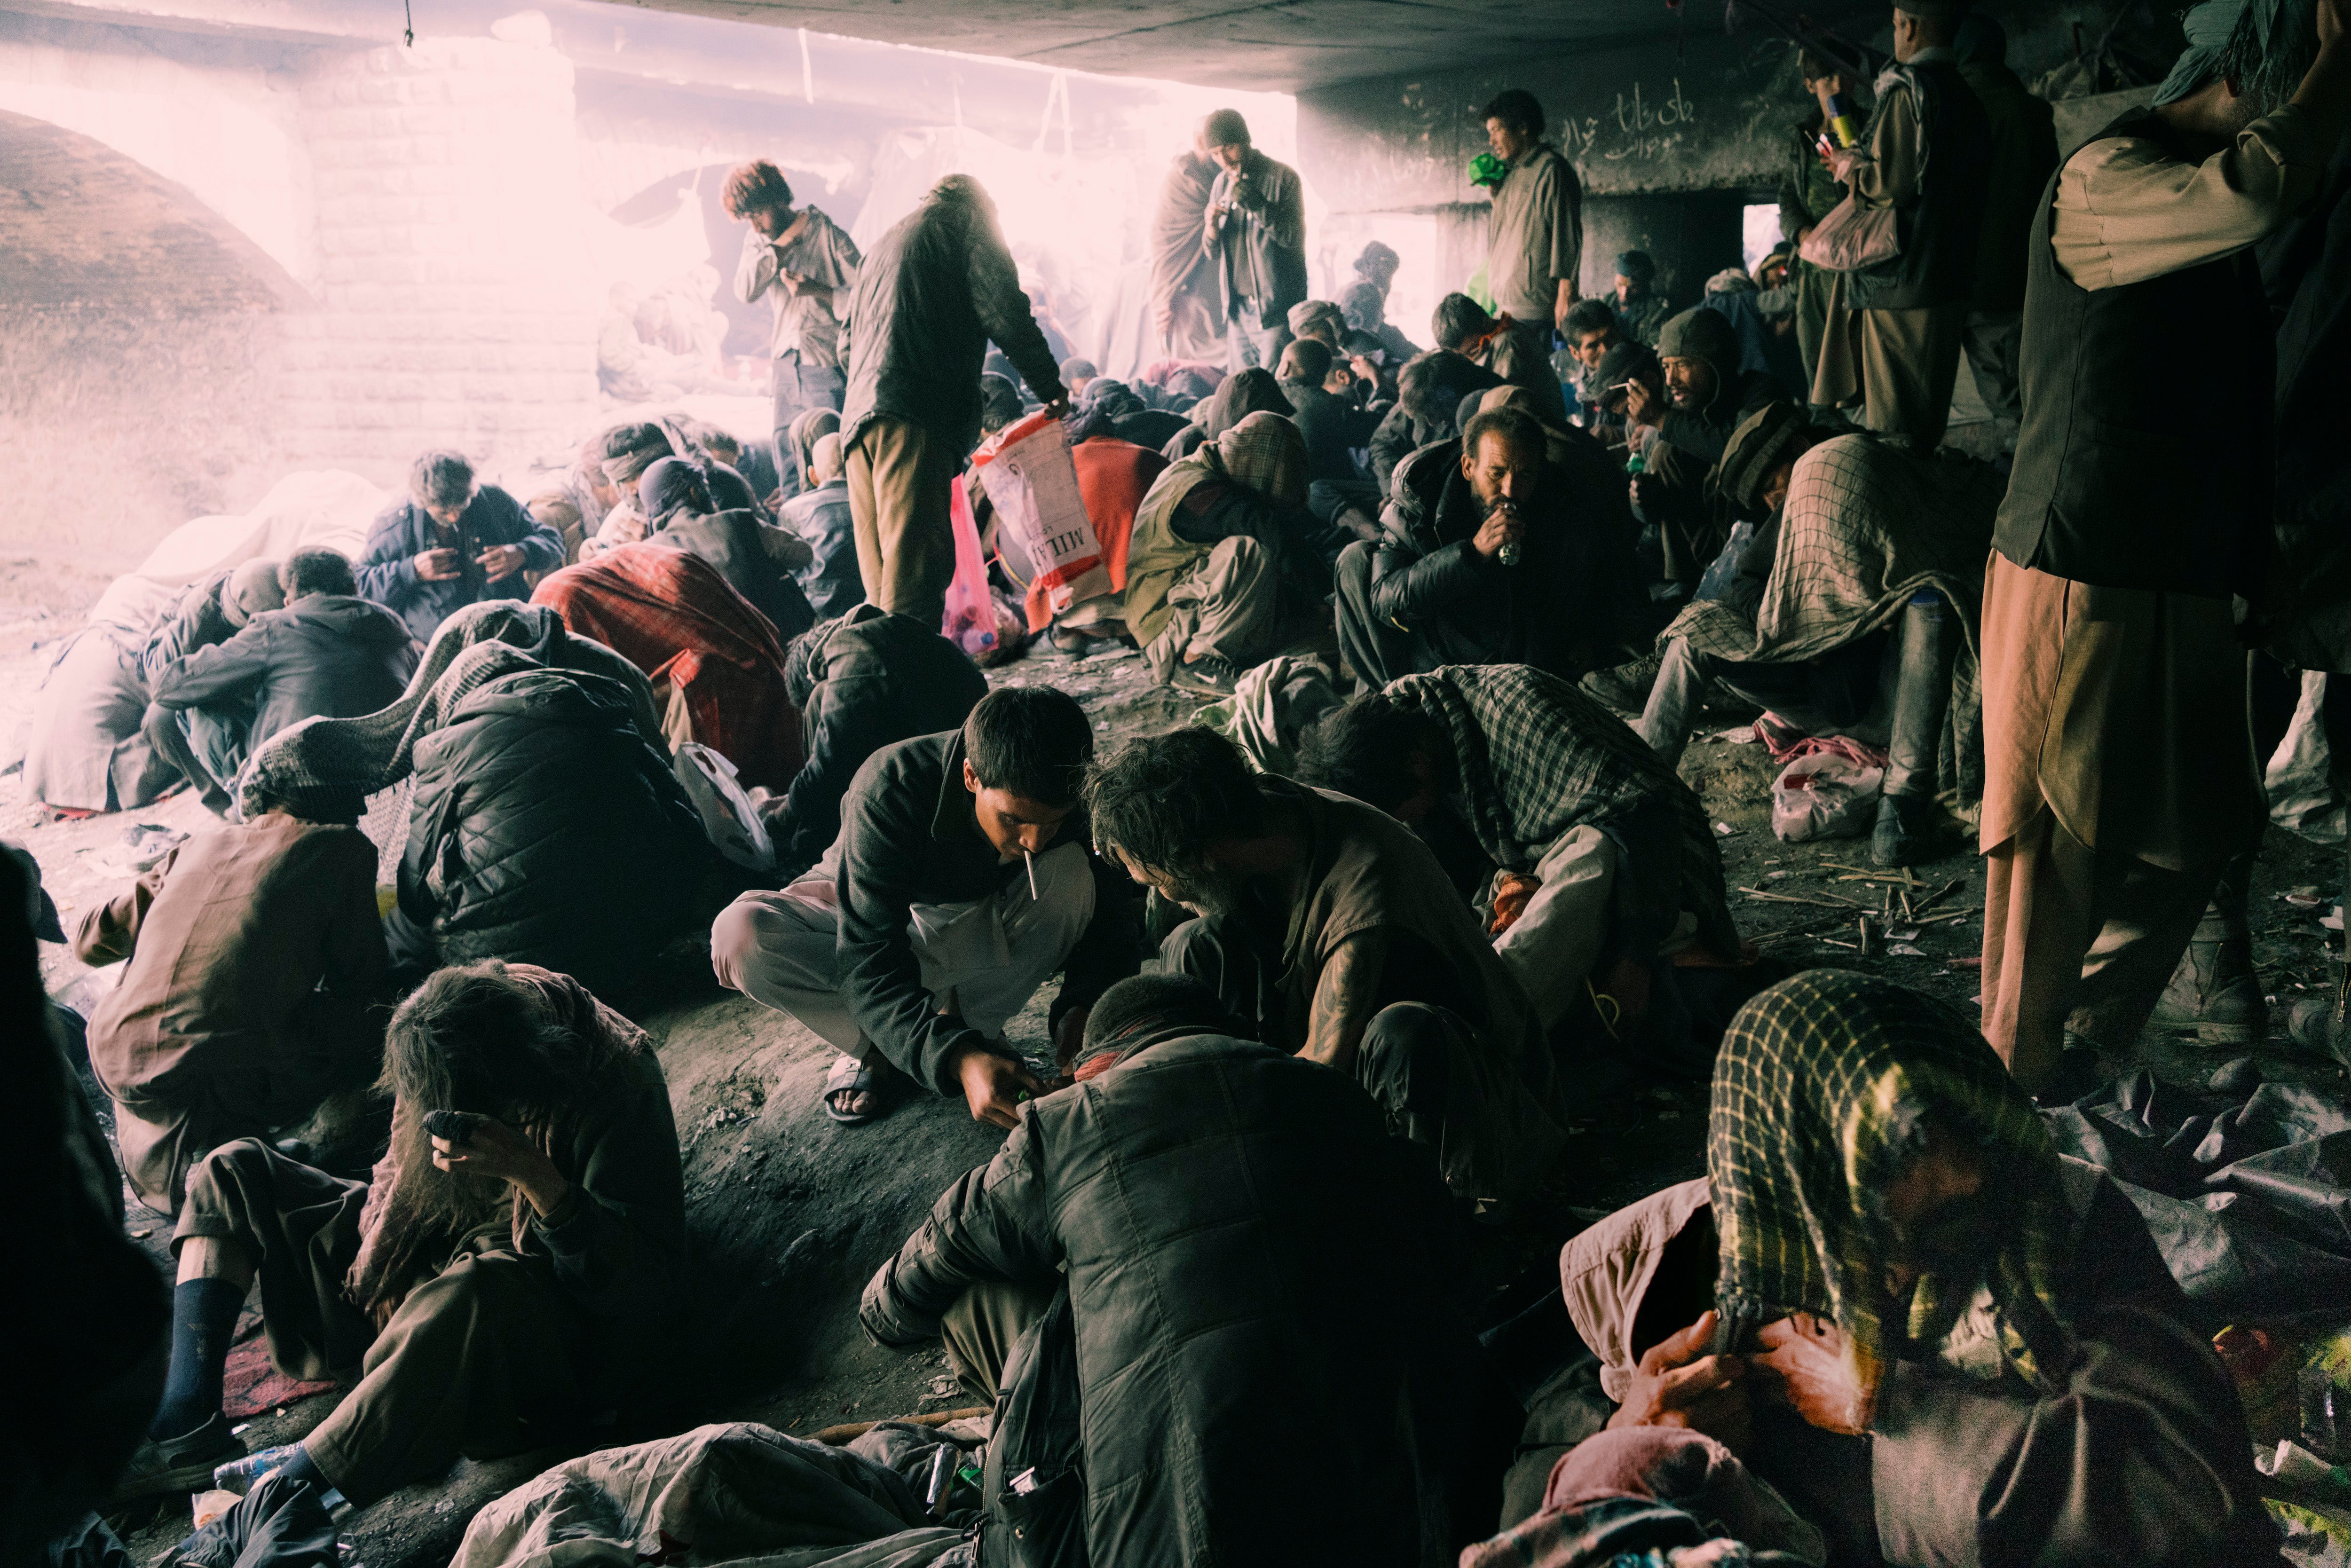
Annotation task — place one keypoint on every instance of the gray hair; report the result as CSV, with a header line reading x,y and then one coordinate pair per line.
x,y
441,478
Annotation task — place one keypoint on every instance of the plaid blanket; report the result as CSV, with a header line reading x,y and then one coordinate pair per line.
x,y
1538,759
1868,524
326,767
1823,1089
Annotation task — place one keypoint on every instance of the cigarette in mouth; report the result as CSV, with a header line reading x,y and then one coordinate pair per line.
x,y
1032,875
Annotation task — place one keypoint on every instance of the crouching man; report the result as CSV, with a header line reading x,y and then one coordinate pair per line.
x,y
1332,932
1591,859
960,883
495,1279
1944,1341
1197,1187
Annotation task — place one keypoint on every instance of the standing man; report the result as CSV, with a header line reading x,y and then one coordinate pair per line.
x,y
1181,284
937,290
1808,192
801,259
1535,242
1895,327
452,543
2118,773
1255,234
2023,156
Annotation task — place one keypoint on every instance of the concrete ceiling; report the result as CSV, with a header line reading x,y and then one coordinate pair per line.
x,y
1284,46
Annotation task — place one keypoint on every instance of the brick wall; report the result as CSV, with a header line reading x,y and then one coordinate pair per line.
x,y
452,304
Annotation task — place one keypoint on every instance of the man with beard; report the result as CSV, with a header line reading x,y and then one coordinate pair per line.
x,y
1254,234
510,1266
1490,554
1332,933
1706,396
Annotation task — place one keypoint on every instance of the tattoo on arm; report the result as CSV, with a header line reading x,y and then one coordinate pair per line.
x,y
1343,997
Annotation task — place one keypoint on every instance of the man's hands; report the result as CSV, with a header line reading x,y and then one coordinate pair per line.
x,y
1676,1385
500,560
993,1085
1502,525
1070,1036
1806,1356
499,1152
438,566
1059,407
1641,406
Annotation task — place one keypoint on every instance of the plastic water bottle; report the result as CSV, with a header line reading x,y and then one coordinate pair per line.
x,y
241,1476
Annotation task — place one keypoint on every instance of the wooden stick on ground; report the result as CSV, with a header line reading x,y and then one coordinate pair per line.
x,y
1791,898
834,1436
1941,893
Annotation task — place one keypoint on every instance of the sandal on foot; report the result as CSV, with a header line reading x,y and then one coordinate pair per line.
x,y
850,1075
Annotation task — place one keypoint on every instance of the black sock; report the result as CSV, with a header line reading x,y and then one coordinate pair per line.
x,y
203,1315
301,1468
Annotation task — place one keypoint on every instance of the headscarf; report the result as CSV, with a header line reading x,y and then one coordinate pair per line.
x,y
1638,266
670,484
1823,1089
1244,392
1777,433
807,428
631,449
825,455
252,590
2207,28
1265,453
1307,312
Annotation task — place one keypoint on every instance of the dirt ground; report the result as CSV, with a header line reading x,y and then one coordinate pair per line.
x,y
791,1214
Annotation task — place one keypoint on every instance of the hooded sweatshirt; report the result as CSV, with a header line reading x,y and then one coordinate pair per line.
x,y
326,653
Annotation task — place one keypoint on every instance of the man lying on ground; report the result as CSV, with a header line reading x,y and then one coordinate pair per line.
x,y
1212,544
1863,535
862,681
327,651
497,1279
1944,1341
820,515
1331,932
256,970
1198,1188
1588,858
1491,555
757,559
454,542
960,883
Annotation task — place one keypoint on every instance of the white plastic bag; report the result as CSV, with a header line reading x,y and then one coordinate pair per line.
x,y
1032,482
728,819
1824,795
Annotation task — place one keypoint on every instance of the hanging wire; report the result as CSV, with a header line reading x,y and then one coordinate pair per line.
x,y
408,37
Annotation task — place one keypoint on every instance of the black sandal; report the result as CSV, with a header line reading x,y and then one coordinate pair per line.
x,y
849,1075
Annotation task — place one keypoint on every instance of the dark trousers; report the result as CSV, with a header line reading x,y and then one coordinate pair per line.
x,y
476,1361
1376,648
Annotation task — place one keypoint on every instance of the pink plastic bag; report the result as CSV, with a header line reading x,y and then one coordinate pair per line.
x,y
971,607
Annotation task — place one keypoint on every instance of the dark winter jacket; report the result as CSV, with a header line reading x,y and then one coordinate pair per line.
x,y
908,836
933,292
743,549
194,621
1703,433
1555,610
545,831
1334,429
831,581
882,678
326,654
1255,1269
402,531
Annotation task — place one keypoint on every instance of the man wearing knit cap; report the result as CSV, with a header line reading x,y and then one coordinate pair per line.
x,y
1895,327
1705,395
2118,775
1255,237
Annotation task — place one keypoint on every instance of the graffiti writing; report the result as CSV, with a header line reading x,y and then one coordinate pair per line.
x,y
1642,126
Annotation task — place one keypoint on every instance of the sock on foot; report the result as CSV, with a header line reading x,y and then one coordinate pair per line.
x,y
301,1468
203,1315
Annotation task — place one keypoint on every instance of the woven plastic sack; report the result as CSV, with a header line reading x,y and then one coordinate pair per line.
x,y
1824,795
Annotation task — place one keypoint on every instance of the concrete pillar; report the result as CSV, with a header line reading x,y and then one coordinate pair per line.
x,y
455,305
1691,237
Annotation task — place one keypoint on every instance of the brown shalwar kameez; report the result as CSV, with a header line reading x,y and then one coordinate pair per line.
x,y
256,970
524,1320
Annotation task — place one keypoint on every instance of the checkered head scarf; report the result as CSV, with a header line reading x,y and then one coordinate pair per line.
x,y
1777,433
1266,452
1824,1091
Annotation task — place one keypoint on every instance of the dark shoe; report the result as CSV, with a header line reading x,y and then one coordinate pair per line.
x,y
2214,994
2315,1023
179,1464
1624,690
1208,677
2078,1076
1909,830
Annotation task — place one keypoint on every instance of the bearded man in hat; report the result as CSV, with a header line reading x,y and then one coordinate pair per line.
x,y
1639,306
1896,327
1704,397
2110,650
1852,610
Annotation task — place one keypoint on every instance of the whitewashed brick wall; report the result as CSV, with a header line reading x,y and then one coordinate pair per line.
x,y
454,306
